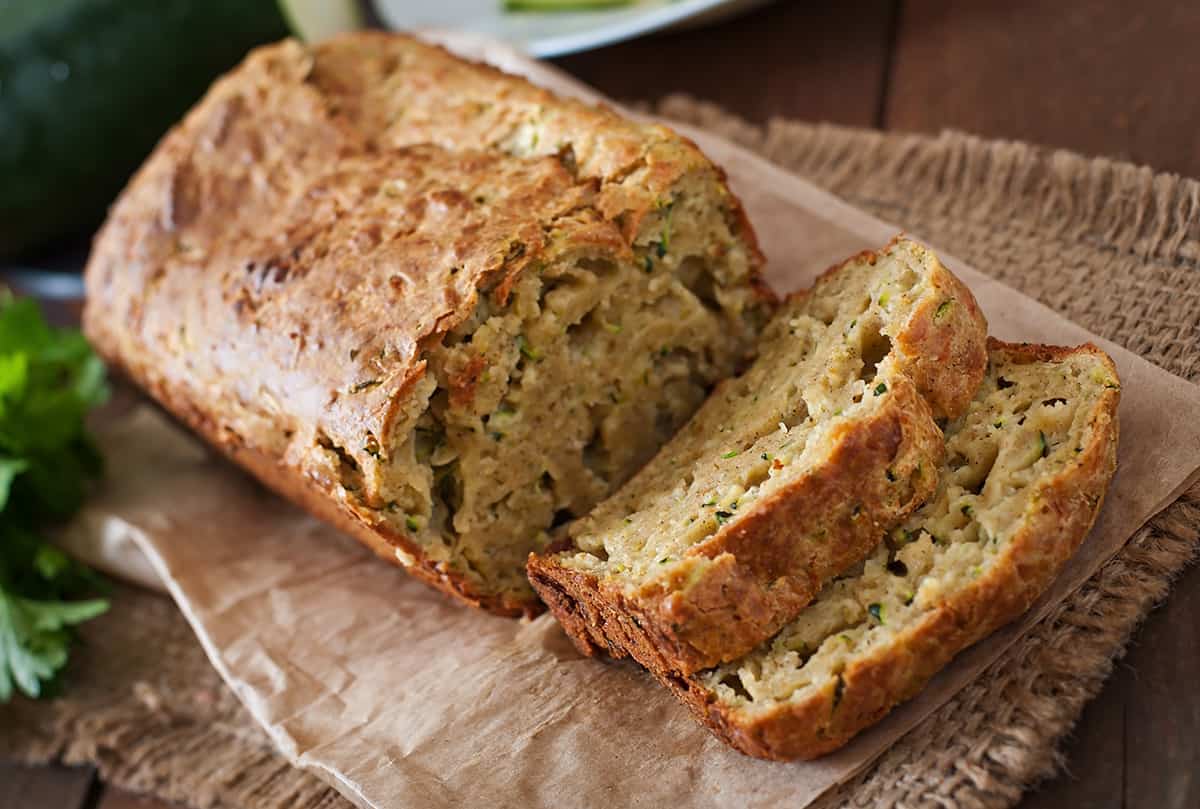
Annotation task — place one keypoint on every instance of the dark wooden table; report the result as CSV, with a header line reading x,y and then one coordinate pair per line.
x,y
1105,77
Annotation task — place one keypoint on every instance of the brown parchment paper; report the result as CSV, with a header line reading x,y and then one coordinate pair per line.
x,y
400,698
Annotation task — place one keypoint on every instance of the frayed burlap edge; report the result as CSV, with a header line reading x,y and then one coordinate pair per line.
x,y
157,718
143,704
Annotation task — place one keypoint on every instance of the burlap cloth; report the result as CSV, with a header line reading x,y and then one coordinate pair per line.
x,y
1114,247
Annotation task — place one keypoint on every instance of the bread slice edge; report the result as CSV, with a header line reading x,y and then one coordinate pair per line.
x,y
896,672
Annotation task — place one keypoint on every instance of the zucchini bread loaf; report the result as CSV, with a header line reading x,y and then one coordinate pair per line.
x,y
1025,473
785,477
443,309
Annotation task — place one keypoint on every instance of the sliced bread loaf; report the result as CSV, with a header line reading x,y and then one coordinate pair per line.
x,y
785,477
445,348
1025,473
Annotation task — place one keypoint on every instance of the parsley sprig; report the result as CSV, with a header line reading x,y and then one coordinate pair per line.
x,y
49,379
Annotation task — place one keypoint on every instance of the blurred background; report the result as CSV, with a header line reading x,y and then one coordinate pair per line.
x,y
88,86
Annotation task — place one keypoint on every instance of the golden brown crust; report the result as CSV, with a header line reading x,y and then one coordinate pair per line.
x,y
742,585
895,672
313,498
399,91
275,270
944,341
946,355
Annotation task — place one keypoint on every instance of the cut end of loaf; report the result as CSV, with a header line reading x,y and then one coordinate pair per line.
x,y
763,496
538,408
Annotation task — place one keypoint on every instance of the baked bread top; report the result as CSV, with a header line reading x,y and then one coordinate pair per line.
x,y
297,144
398,91
345,259
787,474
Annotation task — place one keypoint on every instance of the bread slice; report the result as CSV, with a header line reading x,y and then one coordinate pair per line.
x,y
785,477
440,307
1025,473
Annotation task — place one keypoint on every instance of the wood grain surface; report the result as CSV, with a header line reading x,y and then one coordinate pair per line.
x,y
1103,77
55,787
809,60
1096,76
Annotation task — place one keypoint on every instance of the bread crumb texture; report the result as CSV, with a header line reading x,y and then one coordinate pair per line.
x,y
1024,474
788,474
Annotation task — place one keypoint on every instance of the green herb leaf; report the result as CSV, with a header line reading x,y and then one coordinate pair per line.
x,y
731,454
880,389
876,611
14,371
527,351
35,638
49,379
9,469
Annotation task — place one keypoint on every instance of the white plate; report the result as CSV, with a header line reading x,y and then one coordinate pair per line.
x,y
554,33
